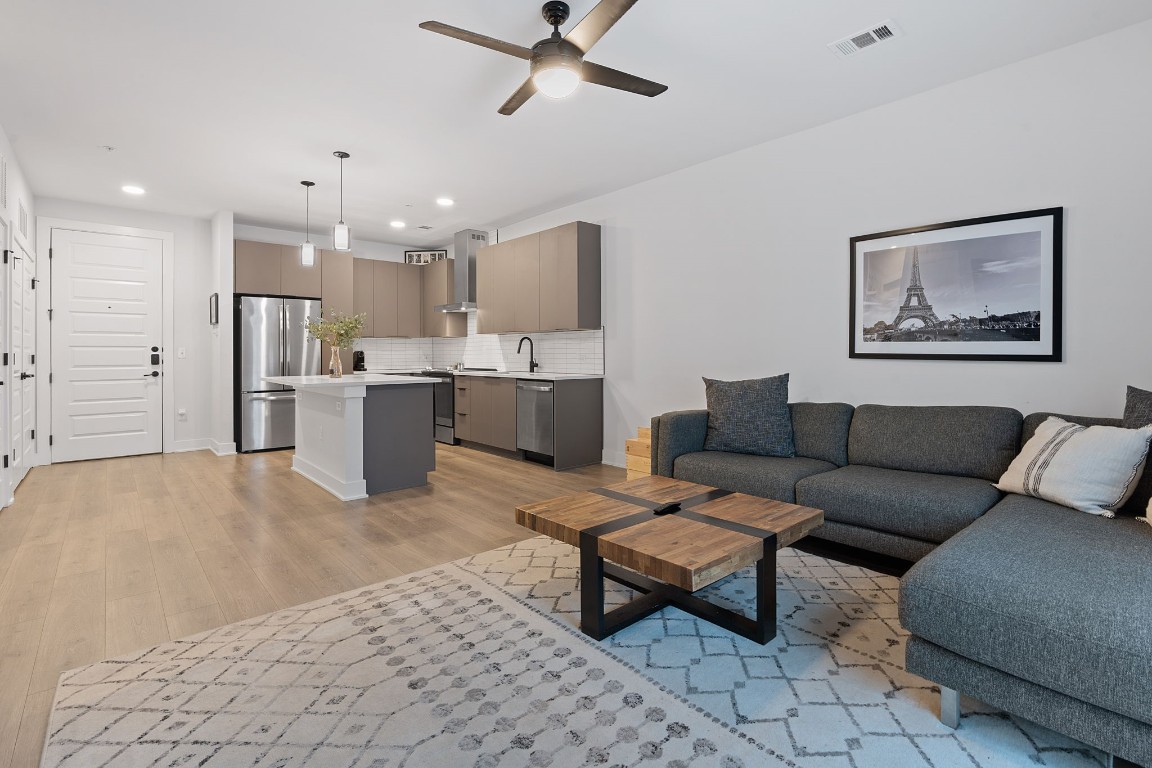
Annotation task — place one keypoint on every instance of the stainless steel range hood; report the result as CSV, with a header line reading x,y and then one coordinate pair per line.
x,y
465,245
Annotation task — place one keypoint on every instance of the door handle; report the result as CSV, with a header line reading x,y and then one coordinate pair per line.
x,y
152,375
274,397
26,375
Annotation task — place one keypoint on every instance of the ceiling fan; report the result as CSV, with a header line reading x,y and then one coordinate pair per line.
x,y
557,63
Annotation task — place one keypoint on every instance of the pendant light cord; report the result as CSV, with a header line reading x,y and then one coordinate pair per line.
x,y
341,190
307,213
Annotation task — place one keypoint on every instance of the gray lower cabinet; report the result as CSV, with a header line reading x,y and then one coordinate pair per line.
x,y
577,412
486,410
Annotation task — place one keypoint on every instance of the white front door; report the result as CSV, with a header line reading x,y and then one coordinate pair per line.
x,y
107,324
22,405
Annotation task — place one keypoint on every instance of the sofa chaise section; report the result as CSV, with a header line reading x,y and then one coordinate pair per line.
x,y
1043,611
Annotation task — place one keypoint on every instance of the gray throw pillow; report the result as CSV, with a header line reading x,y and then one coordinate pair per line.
x,y
1138,413
749,416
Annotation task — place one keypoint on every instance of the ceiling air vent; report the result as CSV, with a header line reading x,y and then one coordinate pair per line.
x,y
866,39
423,226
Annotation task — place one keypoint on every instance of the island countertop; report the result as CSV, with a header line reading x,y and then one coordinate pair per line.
x,y
347,380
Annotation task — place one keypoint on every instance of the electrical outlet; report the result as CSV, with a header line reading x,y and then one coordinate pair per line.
x,y
339,407
181,352
182,414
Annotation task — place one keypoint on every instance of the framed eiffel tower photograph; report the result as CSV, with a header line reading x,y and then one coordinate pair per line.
x,y
988,288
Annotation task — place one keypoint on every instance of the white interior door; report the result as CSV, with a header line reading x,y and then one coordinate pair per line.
x,y
22,403
107,324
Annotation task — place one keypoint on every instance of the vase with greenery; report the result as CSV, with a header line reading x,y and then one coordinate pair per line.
x,y
339,331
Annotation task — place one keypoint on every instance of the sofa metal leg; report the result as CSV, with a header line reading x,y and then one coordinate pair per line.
x,y
950,707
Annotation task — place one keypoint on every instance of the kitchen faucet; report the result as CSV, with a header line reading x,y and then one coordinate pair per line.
x,y
532,364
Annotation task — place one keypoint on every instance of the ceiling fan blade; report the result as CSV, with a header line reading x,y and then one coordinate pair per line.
x,y
517,99
518,51
598,21
613,78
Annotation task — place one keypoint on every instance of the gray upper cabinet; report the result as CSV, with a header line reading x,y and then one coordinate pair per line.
x,y
298,280
257,268
337,272
570,277
439,289
275,270
384,277
362,293
409,295
548,281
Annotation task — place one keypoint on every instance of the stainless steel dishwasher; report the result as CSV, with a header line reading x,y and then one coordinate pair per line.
x,y
535,431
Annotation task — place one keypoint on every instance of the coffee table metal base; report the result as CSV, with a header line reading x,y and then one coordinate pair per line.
x,y
597,624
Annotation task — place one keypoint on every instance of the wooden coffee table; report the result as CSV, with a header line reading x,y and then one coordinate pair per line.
x,y
672,538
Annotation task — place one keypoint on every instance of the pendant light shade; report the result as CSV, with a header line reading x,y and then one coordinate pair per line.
x,y
307,249
341,232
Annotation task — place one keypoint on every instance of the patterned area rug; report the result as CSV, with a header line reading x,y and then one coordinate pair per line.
x,y
479,663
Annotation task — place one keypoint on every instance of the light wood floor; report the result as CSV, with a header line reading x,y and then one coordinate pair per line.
x,y
100,558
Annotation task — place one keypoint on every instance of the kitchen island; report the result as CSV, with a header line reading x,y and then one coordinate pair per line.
x,y
363,434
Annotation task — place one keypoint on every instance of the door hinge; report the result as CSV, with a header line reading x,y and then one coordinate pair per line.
x,y
5,461
5,261
49,378
49,439
5,358
49,253
49,314
33,359
33,435
34,281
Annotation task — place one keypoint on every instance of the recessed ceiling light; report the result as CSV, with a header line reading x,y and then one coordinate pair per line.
x,y
132,189
397,224
445,202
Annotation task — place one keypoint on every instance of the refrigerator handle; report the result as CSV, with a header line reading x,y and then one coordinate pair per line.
x,y
283,342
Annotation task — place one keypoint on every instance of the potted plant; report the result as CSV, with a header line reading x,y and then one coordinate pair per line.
x,y
339,331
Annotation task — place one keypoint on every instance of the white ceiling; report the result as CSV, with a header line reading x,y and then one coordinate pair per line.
x,y
225,105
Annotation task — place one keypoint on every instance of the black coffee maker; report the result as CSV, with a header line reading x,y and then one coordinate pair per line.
x,y
358,361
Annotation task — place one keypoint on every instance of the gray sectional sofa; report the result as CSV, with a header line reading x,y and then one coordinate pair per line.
x,y
1034,608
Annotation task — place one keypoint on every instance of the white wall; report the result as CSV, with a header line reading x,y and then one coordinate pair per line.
x,y
361,249
223,282
738,267
19,192
193,278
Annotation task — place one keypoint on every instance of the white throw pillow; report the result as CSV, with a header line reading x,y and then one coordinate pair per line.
x,y
1092,469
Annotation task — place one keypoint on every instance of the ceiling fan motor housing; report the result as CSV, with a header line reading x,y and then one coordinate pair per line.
x,y
556,52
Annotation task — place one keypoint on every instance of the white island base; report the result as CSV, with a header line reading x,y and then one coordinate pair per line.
x,y
363,434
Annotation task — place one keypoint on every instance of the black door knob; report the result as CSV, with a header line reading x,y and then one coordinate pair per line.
x,y
27,375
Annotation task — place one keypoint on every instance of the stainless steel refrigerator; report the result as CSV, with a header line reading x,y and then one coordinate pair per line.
x,y
271,341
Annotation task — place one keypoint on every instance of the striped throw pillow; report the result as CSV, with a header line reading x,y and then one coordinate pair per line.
x,y
1092,469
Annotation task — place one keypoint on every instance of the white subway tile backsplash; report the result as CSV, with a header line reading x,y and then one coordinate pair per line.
x,y
564,352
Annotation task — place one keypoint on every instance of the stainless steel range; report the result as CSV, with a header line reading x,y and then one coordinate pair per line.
x,y
443,404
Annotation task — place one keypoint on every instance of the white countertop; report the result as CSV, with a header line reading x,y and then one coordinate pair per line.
x,y
539,375
347,380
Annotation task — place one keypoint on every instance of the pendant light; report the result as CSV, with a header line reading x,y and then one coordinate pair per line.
x,y
307,250
341,233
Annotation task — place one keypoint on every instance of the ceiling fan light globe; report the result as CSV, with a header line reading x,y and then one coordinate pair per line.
x,y
556,82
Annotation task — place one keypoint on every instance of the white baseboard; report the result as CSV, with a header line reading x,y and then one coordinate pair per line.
x,y
222,449
345,491
183,446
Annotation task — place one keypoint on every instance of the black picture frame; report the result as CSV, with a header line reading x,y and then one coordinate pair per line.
x,y
424,257
214,309
1011,262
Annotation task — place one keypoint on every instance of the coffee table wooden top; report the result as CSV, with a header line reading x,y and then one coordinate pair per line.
x,y
686,553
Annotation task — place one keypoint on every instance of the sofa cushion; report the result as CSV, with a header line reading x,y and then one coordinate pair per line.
x,y
820,430
914,504
749,416
1047,594
969,441
1092,469
772,477
1034,420
1138,413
